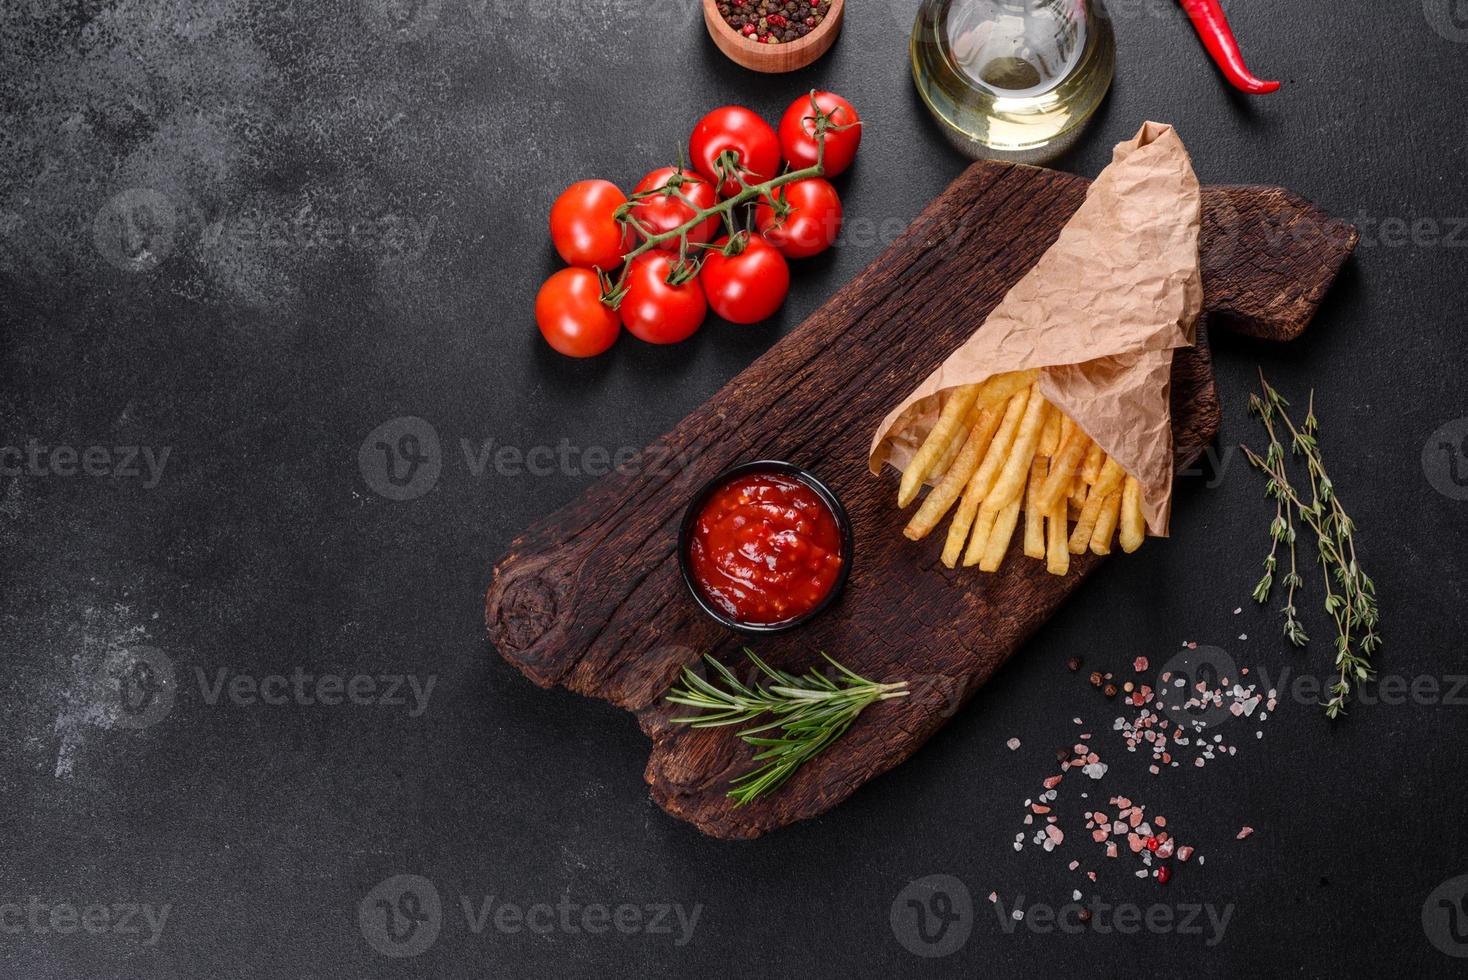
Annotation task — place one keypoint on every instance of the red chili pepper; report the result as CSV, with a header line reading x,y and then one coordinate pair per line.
x,y
1207,16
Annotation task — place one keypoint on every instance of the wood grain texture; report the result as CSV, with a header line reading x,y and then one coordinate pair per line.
x,y
590,599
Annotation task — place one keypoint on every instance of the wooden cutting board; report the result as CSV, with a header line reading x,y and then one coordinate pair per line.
x,y
591,599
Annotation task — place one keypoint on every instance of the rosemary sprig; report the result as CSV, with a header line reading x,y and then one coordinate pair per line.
x,y
1353,607
811,711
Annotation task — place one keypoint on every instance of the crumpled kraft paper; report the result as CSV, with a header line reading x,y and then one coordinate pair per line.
x,y
1100,314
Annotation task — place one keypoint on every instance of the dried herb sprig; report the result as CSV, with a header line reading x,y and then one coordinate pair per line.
x,y
812,711
1350,595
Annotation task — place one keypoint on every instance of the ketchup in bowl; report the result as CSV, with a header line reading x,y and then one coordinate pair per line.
x,y
765,545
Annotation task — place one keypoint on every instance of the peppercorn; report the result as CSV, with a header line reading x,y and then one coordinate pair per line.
x,y
1095,678
1164,874
1085,915
1109,690
1073,664
774,21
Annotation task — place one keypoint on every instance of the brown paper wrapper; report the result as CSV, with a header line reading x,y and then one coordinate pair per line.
x,y
1100,315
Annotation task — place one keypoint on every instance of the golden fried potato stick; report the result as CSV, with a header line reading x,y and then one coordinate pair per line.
x,y
1091,468
1002,387
983,478
1034,516
1080,536
1078,492
945,462
999,538
936,504
1010,484
1109,477
1063,468
946,430
1106,524
1133,525
1108,481
1057,555
1050,438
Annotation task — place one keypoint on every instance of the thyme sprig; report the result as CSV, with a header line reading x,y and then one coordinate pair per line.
x,y
1350,595
811,711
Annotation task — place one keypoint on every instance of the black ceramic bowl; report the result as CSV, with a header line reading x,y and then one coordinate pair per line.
x,y
695,506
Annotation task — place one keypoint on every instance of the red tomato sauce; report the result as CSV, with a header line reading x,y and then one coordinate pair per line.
x,y
765,549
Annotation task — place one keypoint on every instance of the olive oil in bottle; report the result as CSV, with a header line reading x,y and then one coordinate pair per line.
x,y
1013,79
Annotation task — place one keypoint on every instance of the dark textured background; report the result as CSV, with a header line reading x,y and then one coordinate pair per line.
x,y
262,362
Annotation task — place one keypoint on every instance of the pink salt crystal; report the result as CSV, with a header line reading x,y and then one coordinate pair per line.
x,y
1134,842
1183,853
1136,817
1111,849
1092,874
1074,865
993,896
1140,664
1161,821
1244,832
1052,781
1098,835
1054,833
1039,809
1013,744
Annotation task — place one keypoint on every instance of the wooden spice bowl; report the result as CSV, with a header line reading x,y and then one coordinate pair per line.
x,y
774,58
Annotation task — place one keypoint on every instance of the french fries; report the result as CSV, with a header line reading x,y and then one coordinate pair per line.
x,y
947,428
936,504
1000,450
983,478
1133,526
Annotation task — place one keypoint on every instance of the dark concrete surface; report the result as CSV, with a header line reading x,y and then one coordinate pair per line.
x,y
237,238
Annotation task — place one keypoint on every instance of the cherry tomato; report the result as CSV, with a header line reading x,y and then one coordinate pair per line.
x,y
748,287
584,227
571,316
812,224
665,212
797,133
656,312
736,129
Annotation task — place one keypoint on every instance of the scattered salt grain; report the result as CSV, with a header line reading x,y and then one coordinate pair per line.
x,y
1013,744
1244,832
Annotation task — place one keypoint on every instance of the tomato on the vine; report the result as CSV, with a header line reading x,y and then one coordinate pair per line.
x,y
734,129
811,218
666,211
584,225
749,286
797,132
571,316
655,310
